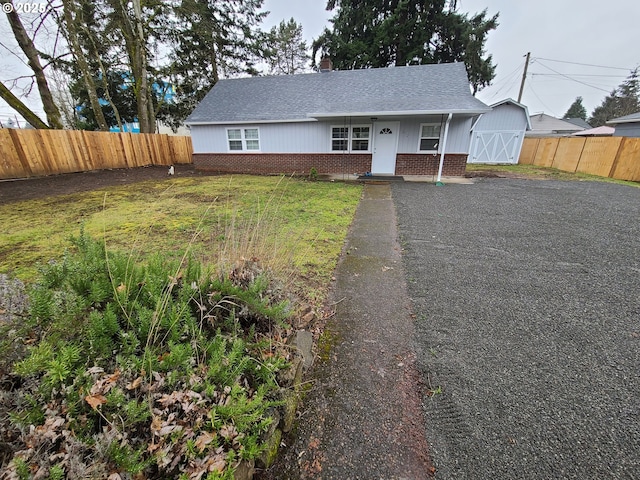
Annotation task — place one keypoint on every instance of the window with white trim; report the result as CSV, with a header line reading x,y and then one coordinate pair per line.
x,y
356,138
429,137
243,139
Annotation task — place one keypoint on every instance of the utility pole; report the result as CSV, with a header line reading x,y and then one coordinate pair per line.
x,y
524,76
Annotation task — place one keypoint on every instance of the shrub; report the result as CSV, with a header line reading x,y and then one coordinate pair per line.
x,y
152,367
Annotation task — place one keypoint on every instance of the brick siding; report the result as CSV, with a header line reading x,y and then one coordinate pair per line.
x,y
285,163
455,164
302,163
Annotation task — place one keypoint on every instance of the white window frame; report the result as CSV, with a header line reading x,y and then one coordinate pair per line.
x,y
420,137
350,138
243,139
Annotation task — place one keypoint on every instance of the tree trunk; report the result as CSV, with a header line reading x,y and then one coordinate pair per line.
x,y
147,124
135,42
15,103
53,114
70,19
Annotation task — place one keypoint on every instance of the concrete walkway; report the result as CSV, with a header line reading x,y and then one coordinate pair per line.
x,y
364,418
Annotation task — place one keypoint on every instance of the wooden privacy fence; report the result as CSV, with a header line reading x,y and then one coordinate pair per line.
x,y
31,153
614,157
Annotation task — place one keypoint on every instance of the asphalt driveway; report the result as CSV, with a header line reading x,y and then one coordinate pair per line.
x,y
527,295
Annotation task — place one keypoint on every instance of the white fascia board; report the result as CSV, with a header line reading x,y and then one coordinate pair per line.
x,y
617,122
249,122
400,113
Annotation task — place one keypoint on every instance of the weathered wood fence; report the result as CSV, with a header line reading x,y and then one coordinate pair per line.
x,y
31,153
614,157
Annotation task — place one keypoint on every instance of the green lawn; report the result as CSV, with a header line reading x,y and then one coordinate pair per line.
x,y
289,224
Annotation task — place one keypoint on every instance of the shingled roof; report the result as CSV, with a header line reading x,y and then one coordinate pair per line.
x,y
411,90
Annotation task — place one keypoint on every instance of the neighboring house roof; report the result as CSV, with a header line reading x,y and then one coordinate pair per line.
x,y
602,131
577,121
543,124
410,90
517,104
634,117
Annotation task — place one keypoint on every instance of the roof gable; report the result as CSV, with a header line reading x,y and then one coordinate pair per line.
x,y
544,122
511,101
438,88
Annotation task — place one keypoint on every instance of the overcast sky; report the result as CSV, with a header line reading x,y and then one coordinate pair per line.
x,y
560,34
594,32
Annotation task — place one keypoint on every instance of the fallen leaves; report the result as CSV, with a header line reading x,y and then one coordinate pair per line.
x,y
134,384
95,401
102,386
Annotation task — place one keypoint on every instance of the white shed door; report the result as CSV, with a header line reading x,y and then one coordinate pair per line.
x,y
496,147
385,147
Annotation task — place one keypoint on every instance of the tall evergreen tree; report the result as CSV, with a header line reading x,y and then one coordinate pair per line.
x,y
576,110
381,33
286,50
211,40
623,100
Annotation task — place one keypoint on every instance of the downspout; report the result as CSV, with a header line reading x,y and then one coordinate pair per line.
x,y
444,147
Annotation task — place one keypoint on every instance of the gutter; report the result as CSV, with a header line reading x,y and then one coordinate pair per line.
x,y
399,113
444,147
247,122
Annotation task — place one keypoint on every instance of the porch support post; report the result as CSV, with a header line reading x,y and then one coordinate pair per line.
x,y
444,147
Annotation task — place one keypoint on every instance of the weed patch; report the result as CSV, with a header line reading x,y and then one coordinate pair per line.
x,y
154,368
138,358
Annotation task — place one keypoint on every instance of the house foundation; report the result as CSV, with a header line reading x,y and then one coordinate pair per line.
x,y
324,163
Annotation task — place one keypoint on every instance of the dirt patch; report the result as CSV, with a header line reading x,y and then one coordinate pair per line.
x,y
35,188
500,174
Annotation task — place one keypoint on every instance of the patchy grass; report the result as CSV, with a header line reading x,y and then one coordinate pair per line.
x,y
303,223
532,171
156,341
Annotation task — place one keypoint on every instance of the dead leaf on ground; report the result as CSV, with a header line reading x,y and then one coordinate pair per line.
x,y
95,400
204,439
135,384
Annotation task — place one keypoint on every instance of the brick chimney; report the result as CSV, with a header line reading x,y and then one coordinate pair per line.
x,y
326,65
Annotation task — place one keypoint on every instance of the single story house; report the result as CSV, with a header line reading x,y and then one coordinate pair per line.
x,y
543,125
412,120
627,126
497,136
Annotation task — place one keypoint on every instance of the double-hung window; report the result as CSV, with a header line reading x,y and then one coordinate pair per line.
x,y
355,138
429,137
243,139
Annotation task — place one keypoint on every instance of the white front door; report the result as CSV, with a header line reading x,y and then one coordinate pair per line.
x,y
385,147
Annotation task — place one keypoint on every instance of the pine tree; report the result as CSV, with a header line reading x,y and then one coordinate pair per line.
x,y
211,40
576,110
286,51
382,33
623,100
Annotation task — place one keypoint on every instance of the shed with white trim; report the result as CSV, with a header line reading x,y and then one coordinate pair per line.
x,y
497,136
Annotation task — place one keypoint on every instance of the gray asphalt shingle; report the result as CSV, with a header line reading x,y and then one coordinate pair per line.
x,y
438,88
